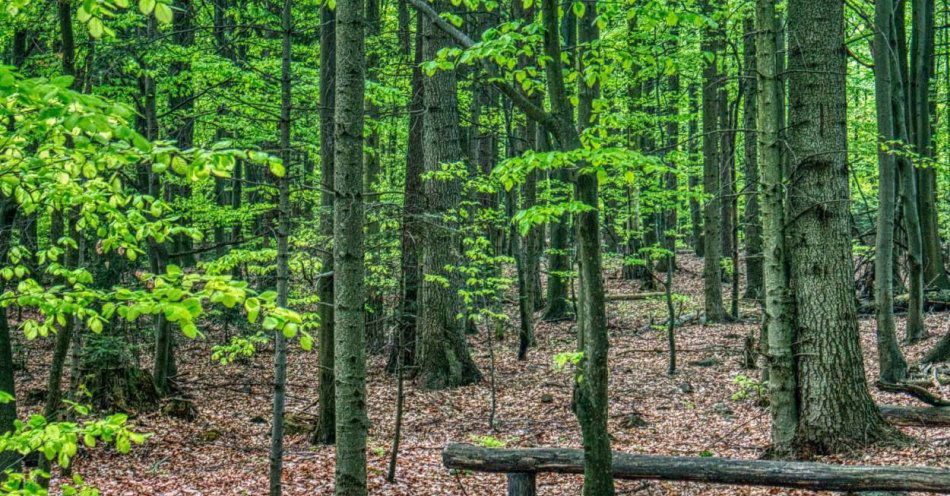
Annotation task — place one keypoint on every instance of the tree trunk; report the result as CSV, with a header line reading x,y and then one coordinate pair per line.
x,y
590,392
835,410
348,253
413,209
752,223
934,274
893,368
780,333
283,251
443,357
325,431
712,214
695,211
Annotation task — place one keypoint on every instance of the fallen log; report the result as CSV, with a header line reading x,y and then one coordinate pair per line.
x,y
801,475
928,416
634,296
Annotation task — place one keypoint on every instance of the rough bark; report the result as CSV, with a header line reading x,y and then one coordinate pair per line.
x,y
835,410
695,211
712,214
348,254
443,357
325,431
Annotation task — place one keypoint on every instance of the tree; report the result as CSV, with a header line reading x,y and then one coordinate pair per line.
x,y
835,410
325,430
348,253
893,368
712,213
442,353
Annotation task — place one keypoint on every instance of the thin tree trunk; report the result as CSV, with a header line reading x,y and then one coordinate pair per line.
x,y
283,251
893,368
695,210
712,214
752,222
325,431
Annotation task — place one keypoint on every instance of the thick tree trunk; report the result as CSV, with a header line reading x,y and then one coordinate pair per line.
x,y
712,213
325,431
835,410
443,357
348,253
893,368
801,475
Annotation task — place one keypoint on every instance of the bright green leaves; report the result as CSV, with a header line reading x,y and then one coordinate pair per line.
x,y
253,308
578,8
163,13
146,6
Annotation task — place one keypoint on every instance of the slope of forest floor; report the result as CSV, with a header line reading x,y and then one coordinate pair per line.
x,y
224,451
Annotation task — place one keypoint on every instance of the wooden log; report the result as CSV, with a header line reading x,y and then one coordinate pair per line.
x,y
522,484
634,296
802,475
916,391
916,416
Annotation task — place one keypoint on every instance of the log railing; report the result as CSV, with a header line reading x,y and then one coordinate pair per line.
x,y
522,464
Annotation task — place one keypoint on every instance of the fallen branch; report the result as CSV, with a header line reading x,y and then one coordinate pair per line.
x,y
916,416
914,391
802,475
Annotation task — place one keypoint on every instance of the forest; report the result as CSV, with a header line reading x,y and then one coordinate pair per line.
x,y
474,247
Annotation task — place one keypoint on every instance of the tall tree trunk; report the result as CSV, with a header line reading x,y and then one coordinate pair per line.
x,y
413,208
922,72
835,410
903,131
348,253
783,400
752,223
376,321
325,431
695,210
443,357
712,214
590,392
283,251
893,368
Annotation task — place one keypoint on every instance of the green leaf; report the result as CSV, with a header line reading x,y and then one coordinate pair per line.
x,y
253,307
289,330
163,13
306,342
579,8
189,329
95,27
146,6
270,323
277,169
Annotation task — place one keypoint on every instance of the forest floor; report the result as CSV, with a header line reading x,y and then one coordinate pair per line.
x,y
224,451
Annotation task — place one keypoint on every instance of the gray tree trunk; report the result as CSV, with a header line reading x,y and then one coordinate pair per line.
x,y
835,410
442,353
348,253
752,221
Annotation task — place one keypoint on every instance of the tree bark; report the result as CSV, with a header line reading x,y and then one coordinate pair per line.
x,y
443,357
835,410
752,222
348,253
893,368
779,330
283,251
325,431
712,213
